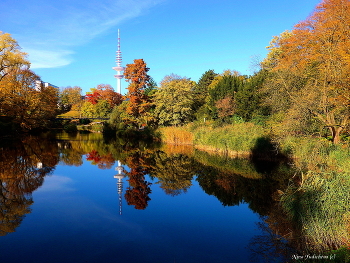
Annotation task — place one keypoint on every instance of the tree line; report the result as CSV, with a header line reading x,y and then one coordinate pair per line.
x,y
301,88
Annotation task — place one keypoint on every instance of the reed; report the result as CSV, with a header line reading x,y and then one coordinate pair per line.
x,y
176,135
241,137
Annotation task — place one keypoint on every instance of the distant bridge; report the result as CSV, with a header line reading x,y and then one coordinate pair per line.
x,y
79,118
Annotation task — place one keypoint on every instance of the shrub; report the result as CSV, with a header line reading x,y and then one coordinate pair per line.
x,y
70,128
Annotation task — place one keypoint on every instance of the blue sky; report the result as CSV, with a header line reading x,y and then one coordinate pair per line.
x,y
74,42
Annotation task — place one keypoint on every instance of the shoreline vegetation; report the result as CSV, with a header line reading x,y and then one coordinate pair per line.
x,y
318,200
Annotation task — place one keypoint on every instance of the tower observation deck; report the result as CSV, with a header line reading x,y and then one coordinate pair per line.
x,y
119,69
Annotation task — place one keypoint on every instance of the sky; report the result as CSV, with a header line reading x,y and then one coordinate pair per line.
x,y
74,42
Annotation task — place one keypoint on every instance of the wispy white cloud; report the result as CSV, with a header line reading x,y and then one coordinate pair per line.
x,y
49,59
56,183
49,30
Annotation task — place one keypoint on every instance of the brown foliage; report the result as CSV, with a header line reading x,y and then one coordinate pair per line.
x,y
139,102
226,107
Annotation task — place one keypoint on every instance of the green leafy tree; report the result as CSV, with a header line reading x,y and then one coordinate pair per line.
x,y
151,88
88,110
99,110
70,97
223,86
201,89
249,98
118,117
174,101
102,109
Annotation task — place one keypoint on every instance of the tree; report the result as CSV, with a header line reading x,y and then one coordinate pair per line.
x,y
249,99
139,102
311,68
11,58
151,88
201,89
93,96
70,97
174,100
107,93
226,107
100,110
88,110
100,101
28,107
222,86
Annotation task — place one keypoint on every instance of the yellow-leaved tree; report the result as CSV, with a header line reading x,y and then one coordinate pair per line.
x,y
23,99
310,68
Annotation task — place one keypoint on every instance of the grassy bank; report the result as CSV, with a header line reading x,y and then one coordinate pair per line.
x,y
232,140
317,200
319,210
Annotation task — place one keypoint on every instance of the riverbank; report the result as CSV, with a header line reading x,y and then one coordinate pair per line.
x,y
243,140
317,201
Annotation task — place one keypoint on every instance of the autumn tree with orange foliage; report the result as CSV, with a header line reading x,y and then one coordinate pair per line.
x,y
311,67
139,102
104,92
100,101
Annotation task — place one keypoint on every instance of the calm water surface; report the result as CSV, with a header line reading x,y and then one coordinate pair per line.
x,y
62,201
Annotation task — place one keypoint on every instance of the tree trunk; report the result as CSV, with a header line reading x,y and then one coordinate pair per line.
x,y
335,131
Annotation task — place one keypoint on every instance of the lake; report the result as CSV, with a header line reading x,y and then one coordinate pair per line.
x,y
84,198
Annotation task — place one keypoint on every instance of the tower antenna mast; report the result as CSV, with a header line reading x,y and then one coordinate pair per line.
x,y
119,69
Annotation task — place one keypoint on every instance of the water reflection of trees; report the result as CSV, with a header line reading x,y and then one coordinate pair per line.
x,y
137,194
235,181
231,181
23,166
174,172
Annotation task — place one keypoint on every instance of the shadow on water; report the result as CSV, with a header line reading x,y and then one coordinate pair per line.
x,y
266,156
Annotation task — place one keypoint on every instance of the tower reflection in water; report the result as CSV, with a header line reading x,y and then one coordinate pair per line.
x,y
120,175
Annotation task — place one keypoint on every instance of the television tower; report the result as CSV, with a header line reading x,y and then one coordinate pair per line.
x,y
119,69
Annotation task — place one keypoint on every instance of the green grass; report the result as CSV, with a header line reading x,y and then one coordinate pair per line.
x,y
320,211
70,114
316,154
236,137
